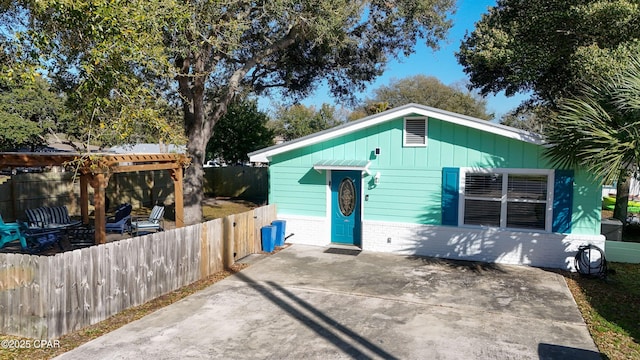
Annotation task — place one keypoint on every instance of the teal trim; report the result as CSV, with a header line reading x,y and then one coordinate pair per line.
x,y
562,201
450,195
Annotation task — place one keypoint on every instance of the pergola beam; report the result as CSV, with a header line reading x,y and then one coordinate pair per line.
x,y
145,167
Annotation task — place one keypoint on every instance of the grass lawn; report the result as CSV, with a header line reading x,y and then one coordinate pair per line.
x,y
219,208
611,309
608,203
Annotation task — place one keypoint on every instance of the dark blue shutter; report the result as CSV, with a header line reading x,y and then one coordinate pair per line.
x,y
450,195
562,201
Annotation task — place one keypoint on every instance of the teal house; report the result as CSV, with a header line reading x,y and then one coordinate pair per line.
x,y
423,181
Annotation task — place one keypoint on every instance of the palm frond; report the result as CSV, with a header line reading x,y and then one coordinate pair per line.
x,y
627,84
600,130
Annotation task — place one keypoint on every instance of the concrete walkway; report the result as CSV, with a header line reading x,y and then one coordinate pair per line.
x,y
305,303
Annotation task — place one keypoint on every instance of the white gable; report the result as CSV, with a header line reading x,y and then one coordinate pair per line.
x,y
264,155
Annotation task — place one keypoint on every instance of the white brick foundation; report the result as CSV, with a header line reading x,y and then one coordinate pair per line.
x,y
462,243
308,230
488,245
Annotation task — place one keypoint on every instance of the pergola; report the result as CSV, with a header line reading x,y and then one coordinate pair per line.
x,y
95,169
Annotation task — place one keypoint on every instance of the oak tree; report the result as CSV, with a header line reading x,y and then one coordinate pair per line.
x,y
241,130
429,91
549,47
30,111
298,120
124,59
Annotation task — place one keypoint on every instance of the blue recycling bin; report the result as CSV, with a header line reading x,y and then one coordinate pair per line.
x,y
280,226
268,238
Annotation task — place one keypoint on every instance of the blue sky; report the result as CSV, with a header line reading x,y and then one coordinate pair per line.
x,y
441,64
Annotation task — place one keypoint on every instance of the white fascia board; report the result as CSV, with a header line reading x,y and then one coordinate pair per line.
x,y
258,158
486,126
265,155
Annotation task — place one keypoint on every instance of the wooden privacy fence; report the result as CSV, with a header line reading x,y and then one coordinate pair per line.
x,y
46,297
237,181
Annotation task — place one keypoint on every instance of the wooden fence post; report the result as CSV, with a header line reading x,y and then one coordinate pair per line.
x,y
204,252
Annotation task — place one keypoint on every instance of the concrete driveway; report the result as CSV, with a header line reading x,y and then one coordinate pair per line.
x,y
305,303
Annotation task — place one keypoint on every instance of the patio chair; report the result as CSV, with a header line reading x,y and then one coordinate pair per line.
x,y
10,232
46,217
41,239
8,225
155,222
31,240
119,222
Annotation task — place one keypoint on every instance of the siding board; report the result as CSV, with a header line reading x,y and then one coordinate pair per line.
x,y
516,155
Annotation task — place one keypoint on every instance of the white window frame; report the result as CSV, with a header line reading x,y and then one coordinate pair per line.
x,y
505,172
404,131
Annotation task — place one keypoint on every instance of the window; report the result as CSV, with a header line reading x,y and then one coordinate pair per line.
x,y
507,198
415,131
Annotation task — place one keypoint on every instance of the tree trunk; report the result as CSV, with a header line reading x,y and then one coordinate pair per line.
x,y
198,133
193,187
622,197
199,123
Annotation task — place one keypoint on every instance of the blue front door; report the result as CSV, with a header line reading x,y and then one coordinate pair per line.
x,y
345,207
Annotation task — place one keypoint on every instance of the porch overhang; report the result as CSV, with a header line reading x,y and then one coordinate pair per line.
x,y
357,165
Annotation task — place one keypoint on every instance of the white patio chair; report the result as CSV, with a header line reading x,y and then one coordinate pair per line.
x,y
155,222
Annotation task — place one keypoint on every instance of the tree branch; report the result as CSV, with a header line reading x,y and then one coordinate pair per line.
x,y
234,82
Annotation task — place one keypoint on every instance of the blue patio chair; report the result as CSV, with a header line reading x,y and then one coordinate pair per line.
x,y
153,223
8,225
10,235
41,239
119,222
10,232
31,240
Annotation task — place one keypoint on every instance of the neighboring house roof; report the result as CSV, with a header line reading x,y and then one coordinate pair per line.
x,y
149,149
264,155
55,143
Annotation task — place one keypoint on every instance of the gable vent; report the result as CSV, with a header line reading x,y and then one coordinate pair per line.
x,y
415,132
